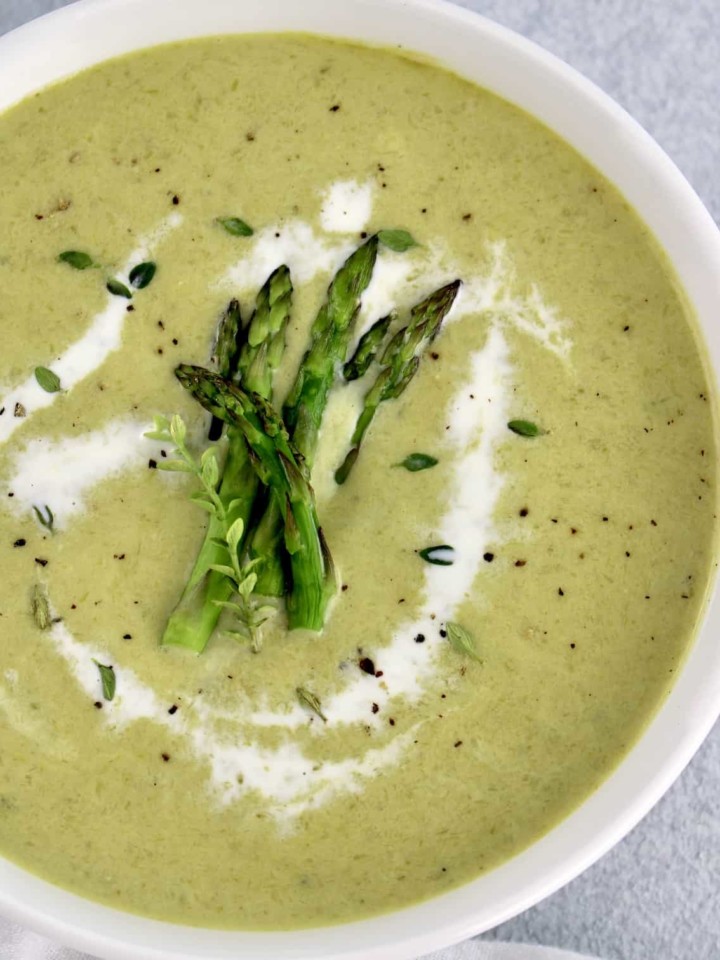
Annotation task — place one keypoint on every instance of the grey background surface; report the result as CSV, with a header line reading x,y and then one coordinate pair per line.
x,y
656,895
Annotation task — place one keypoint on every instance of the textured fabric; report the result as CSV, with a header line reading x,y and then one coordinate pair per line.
x,y
657,894
18,944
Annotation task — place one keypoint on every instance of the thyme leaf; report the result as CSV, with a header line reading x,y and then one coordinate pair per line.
x,y
397,240
308,699
47,379
107,678
142,275
525,428
441,555
417,461
76,259
118,289
47,519
461,640
40,607
235,226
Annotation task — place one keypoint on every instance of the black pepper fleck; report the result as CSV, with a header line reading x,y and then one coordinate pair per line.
x,y
165,756
420,638
367,665
334,108
41,561
375,708
152,464
20,542
488,557
173,710
176,200
561,592
97,705
127,636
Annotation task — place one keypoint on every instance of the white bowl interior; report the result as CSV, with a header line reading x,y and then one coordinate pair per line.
x,y
93,30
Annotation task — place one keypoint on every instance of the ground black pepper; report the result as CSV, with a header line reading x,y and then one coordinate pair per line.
x,y
367,666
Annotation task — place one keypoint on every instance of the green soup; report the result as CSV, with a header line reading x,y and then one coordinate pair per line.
x,y
205,791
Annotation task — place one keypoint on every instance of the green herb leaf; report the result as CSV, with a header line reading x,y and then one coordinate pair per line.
x,y
308,699
441,555
461,640
175,466
40,607
107,678
47,519
209,468
142,275
235,535
178,430
48,380
118,289
76,259
397,240
417,461
525,428
235,226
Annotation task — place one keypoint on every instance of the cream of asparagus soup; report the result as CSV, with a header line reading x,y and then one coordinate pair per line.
x,y
357,474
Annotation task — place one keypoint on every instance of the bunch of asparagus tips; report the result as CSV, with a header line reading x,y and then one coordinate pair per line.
x,y
265,480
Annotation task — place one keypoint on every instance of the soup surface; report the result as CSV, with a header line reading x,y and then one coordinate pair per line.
x,y
204,791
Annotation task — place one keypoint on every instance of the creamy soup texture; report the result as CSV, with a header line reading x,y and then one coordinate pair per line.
x,y
204,792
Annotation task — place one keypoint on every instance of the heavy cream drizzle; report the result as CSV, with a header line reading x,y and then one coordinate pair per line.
x,y
103,336
288,780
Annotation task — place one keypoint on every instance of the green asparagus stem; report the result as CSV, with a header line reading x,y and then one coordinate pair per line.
x,y
226,352
367,348
305,405
278,467
399,363
194,619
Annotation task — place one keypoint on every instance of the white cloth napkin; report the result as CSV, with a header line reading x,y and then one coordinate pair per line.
x,y
19,944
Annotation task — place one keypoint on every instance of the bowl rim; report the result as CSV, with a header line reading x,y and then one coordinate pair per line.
x,y
589,120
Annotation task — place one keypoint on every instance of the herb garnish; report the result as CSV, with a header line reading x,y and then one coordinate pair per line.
x,y
308,699
107,678
76,259
525,428
47,520
235,226
40,607
461,640
118,289
250,613
417,461
397,240
439,555
47,379
142,275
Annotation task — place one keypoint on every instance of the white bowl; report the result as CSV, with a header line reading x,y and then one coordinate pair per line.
x,y
93,30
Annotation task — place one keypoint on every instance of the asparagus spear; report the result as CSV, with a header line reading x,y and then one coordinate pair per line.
x,y
399,363
367,348
278,467
226,352
195,617
305,405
